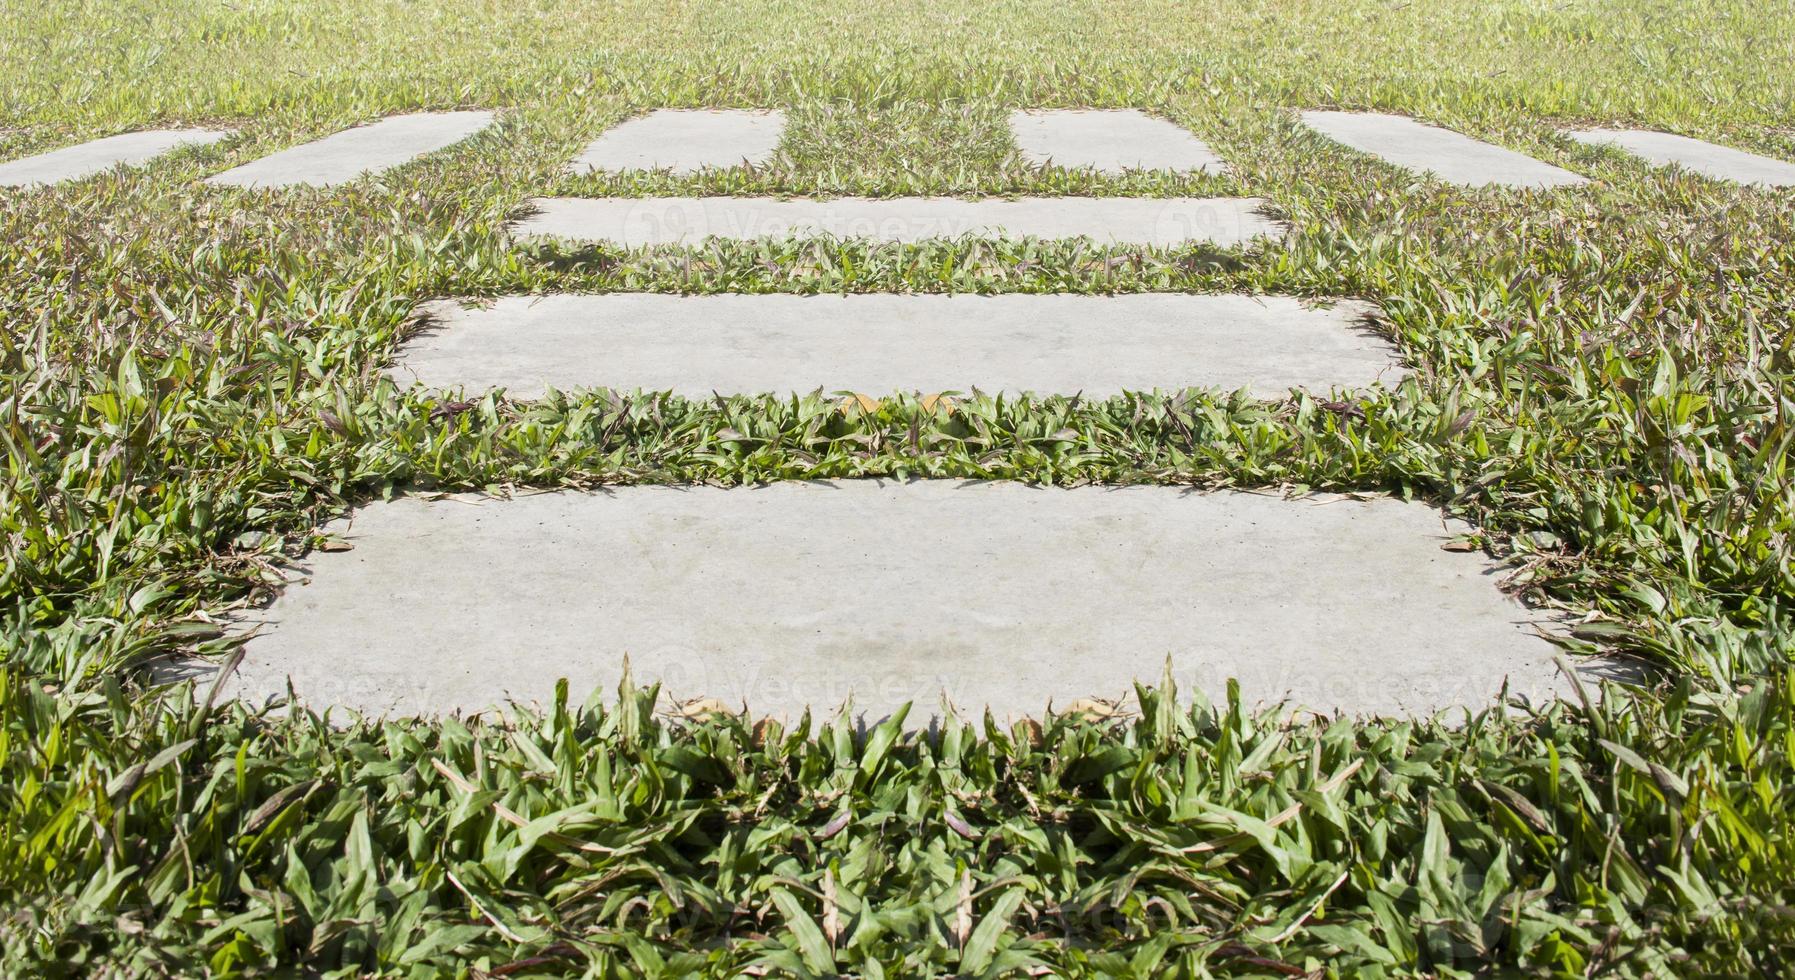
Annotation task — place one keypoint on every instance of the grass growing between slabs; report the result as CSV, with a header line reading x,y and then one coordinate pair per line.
x,y
192,381
1187,841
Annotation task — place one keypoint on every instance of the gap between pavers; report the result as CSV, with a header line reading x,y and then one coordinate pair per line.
x,y
101,155
1110,141
1696,156
686,141
880,344
639,222
346,156
802,594
1450,156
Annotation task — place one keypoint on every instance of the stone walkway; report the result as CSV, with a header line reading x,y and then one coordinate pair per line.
x,y
1110,141
1697,156
637,222
101,155
1049,344
353,153
802,594
1447,155
685,141
997,595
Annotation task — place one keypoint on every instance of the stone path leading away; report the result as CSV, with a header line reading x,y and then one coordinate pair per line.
x,y
638,222
1697,156
1110,141
1000,594
1447,155
881,344
348,155
101,155
796,595
686,141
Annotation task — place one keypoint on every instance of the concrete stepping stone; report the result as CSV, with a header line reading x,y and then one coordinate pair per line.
x,y
686,141
1696,156
345,156
1450,156
1110,141
101,155
637,222
881,344
799,594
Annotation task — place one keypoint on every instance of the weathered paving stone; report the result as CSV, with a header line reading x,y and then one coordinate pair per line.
x,y
1109,141
638,222
1697,156
101,155
880,344
798,594
1450,156
686,141
345,156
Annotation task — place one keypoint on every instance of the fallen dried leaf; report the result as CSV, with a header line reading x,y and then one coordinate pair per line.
x,y
931,402
856,400
701,708
1093,709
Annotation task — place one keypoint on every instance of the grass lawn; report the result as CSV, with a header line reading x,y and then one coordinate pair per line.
x,y
190,382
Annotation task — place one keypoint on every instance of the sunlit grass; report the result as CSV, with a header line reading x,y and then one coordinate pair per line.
x,y
190,381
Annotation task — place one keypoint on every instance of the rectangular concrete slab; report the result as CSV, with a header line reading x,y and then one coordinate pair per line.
x,y
345,156
686,141
795,595
1109,141
1450,156
1696,156
881,344
101,155
639,222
